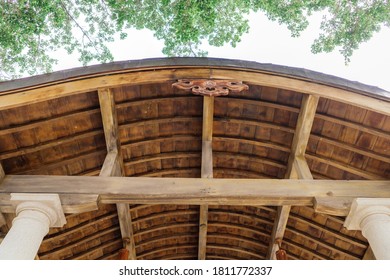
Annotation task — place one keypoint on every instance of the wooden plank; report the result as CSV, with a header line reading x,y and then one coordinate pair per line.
x,y
357,126
197,190
161,156
257,143
206,169
49,122
312,88
158,121
64,162
352,148
51,144
346,167
256,123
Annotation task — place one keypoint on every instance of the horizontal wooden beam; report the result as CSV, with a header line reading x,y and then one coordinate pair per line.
x,y
196,190
155,75
71,203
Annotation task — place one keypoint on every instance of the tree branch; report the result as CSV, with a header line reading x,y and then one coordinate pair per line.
x,y
79,26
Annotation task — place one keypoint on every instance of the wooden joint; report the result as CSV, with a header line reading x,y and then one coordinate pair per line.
x,y
336,206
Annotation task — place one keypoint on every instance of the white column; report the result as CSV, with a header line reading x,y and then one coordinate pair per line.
x,y
372,217
35,214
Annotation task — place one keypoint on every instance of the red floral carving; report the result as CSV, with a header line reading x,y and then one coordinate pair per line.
x,y
211,87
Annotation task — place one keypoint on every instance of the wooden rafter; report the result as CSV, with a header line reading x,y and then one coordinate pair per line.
x,y
113,165
206,169
297,167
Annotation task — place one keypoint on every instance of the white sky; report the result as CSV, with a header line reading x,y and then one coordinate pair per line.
x,y
269,42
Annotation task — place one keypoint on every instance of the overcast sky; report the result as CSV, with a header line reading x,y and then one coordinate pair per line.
x,y
269,42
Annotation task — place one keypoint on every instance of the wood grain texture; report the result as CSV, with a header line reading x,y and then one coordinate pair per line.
x,y
206,169
297,167
196,190
159,75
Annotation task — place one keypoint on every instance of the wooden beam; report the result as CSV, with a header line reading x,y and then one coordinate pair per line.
x,y
206,169
207,136
303,129
2,173
297,167
279,228
196,191
203,220
336,207
110,123
113,165
24,96
126,226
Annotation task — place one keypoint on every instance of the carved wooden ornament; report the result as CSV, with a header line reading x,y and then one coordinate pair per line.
x,y
211,87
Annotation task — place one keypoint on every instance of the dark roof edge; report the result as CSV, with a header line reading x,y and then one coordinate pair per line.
x,y
299,73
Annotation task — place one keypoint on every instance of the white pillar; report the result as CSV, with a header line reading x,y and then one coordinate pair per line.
x,y
372,217
35,214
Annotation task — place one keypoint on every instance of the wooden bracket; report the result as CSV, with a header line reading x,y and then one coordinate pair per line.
x,y
210,87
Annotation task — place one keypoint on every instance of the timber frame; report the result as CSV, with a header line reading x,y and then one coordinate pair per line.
x,y
278,164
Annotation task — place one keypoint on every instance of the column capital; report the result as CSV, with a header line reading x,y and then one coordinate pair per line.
x,y
48,204
362,208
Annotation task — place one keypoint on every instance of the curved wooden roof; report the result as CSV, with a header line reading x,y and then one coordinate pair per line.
x,y
290,123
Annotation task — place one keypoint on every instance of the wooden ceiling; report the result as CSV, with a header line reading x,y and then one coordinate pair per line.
x,y
126,119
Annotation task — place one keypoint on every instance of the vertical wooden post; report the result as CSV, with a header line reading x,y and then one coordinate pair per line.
x,y
206,169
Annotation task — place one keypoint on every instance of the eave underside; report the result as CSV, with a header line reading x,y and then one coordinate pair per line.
x,y
136,125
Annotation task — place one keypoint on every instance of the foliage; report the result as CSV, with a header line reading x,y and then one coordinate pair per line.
x,y
30,29
350,23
